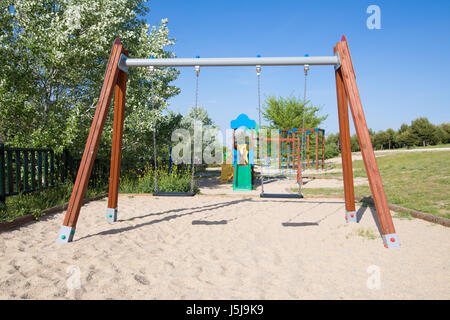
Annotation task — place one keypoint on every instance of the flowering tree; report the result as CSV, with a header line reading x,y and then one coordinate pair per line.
x,y
53,56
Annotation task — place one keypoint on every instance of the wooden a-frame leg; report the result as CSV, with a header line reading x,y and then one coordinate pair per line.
x,y
346,153
389,235
67,230
116,151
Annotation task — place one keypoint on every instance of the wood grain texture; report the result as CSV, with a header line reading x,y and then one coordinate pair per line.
x,y
344,135
116,151
90,150
362,132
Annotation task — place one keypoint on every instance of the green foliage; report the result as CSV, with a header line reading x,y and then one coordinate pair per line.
x,y
354,144
179,180
332,144
34,203
56,57
331,150
199,116
420,133
287,113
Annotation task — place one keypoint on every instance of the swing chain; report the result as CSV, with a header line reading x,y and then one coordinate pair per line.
x,y
303,150
197,73
258,74
152,69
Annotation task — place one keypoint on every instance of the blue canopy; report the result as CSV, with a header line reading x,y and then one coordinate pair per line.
x,y
243,121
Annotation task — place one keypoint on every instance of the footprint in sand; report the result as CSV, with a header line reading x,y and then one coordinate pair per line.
x,y
141,279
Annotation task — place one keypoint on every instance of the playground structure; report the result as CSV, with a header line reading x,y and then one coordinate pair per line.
x,y
347,94
314,135
243,154
290,160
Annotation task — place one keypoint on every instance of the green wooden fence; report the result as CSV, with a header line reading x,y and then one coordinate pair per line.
x,y
24,170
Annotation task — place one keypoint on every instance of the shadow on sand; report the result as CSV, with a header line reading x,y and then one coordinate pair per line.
x,y
190,211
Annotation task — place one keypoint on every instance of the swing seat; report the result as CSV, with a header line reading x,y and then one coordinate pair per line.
x,y
173,194
281,195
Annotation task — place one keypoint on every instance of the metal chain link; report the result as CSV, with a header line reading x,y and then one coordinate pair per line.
x,y
258,75
303,156
151,68
197,72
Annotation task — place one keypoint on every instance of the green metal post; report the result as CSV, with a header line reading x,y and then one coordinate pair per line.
x,y
9,171
18,171
25,171
58,170
33,170
46,168
52,168
2,176
39,169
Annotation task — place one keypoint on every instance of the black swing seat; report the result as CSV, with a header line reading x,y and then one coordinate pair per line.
x,y
173,194
281,195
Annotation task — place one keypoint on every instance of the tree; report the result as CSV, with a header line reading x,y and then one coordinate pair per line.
x,y
390,133
333,139
287,113
53,58
199,116
445,129
379,140
424,130
332,146
441,135
404,127
354,143
406,138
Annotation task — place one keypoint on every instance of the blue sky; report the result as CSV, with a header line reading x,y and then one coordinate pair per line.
x,y
402,70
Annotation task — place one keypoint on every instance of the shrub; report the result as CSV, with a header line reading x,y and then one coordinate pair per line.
x,y
331,150
176,180
33,203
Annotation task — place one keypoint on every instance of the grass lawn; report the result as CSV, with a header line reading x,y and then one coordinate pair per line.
x,y
419,181
427,147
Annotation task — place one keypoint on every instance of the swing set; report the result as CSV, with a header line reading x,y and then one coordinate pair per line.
x,y
347,94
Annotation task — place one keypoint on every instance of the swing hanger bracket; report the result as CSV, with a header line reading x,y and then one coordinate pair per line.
x,y
122,63
306,68
258,70
338,65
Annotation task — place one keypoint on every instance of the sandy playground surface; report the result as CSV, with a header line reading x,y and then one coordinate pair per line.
x,y
227,246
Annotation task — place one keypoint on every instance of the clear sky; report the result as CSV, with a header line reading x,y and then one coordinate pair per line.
x,y
402,70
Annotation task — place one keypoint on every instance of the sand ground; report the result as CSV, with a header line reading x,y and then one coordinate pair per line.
x,y
225,245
